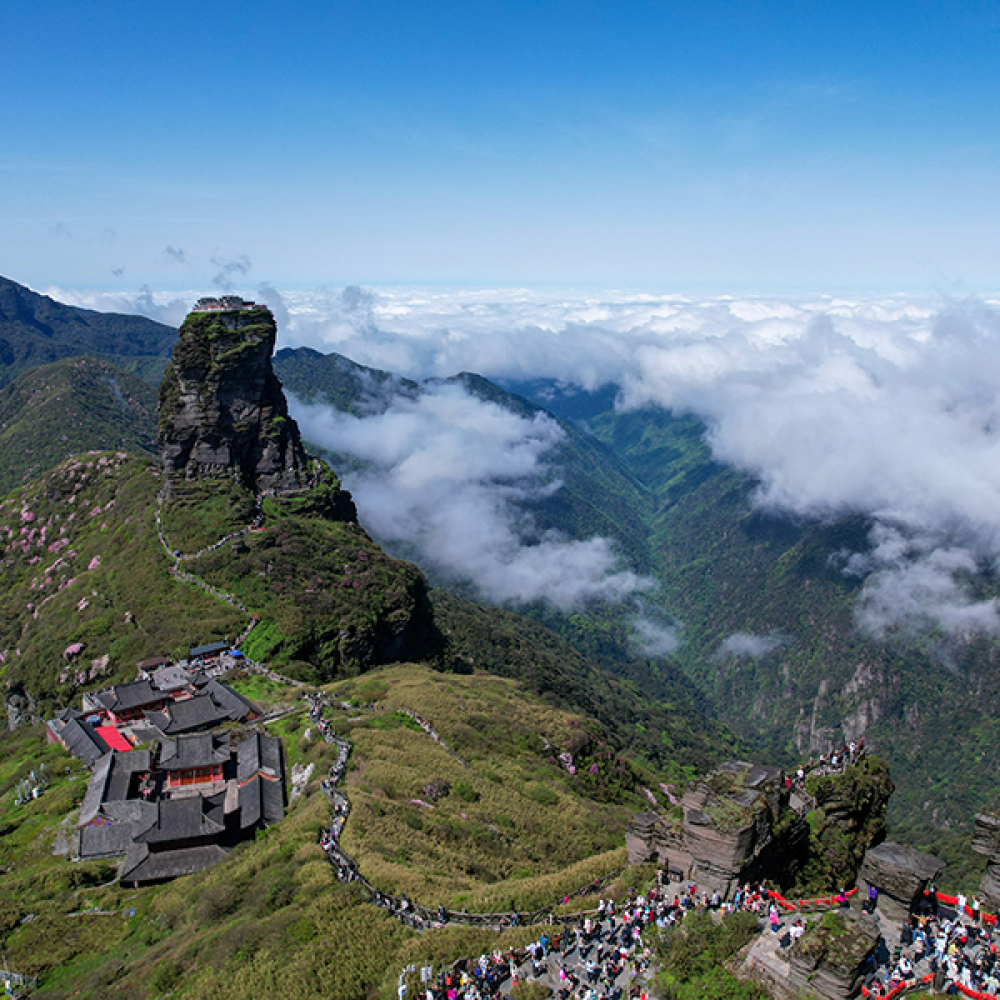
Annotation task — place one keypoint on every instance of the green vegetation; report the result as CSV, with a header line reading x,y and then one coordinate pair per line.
x,y
200,512
85,586
514,828
36,330
271,916
672,734
846,822
58,410
692,957
932,708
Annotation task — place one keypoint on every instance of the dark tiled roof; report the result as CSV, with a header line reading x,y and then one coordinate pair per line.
x,y
96,788
261,801
235,704
135,694
143,865
105,841
111,781
152,663
199,712
209,649
184,819
83,741
198,750
143,733
260,753
138,811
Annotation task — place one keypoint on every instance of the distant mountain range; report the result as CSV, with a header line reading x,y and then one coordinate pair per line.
x,y
36,330
767,618
770,646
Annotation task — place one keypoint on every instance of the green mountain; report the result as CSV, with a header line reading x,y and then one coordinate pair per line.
x,y
725,568
239,533
598,495
67,407
503,825
83,568
36,330
798,677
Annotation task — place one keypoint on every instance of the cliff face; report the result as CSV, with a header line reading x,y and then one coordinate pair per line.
x,y
222,411
848,819
986,841
741,823
736,825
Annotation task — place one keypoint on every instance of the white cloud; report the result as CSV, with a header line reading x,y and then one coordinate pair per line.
x,y
164,307
444,476
653,639
887,407
748,644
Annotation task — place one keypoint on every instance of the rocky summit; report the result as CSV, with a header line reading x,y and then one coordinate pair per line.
x,y
222,411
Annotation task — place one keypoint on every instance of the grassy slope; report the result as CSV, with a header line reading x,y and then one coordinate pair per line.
x,y
271,918
662,731
100,579
723,568
61,409
515,825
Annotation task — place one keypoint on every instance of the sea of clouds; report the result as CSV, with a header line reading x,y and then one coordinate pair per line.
x,y
886,407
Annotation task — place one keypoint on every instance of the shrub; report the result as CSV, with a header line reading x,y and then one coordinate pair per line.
x,y
465,791
525,990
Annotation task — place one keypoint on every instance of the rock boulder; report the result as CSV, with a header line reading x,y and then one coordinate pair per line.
x,y
830,957
901,874
986,840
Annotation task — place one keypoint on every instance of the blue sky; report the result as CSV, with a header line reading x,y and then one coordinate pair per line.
x,y
718,146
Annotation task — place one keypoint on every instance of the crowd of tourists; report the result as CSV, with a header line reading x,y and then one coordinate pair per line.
x,y
835,763
601,958
958,952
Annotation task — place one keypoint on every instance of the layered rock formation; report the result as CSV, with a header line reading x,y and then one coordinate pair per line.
x,y
830,957
222,411
735,826
901,874
742,824
986,841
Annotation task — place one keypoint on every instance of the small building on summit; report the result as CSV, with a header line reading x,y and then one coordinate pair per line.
x,y
208,303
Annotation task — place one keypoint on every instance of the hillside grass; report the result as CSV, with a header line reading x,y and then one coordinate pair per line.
x,y
514,829
82,564
272,919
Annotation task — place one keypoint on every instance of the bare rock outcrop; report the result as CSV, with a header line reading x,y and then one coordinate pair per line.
x,y
901,874
830,957
734,826
222,410
986,841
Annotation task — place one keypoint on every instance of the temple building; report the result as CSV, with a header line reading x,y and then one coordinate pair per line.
x,y
182,806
